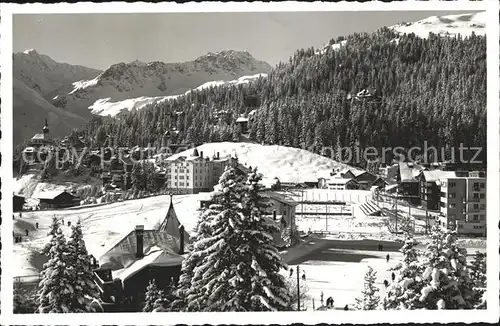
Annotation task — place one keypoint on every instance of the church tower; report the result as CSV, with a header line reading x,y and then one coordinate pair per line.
x,y
46,130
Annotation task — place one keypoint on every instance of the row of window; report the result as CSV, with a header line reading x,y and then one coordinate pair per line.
x,y
454,205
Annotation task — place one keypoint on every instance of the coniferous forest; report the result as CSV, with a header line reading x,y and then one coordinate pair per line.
x,y
430,90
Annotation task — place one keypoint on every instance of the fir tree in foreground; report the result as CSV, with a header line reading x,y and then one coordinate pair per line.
x,y
234,263
478,270
56,285
438,278
202,231
53,232
85,293
152,295
370,299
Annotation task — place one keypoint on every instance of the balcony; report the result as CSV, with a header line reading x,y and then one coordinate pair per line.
x,y
470,200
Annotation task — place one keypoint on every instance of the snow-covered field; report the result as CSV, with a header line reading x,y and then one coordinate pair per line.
x,y
342,277
463,24
105,106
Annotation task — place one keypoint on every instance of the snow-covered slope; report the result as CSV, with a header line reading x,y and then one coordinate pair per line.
x,y
138,80
30,109
36,77
451,25
286,163
106,107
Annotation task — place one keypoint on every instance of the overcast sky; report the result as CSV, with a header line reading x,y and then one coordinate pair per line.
x,y
99,40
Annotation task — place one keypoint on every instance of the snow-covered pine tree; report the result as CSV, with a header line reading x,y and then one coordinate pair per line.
x,y
440,280
448,284
478,276
151,296
404,291
370,299
478,270
56,285
239,270
85,291
202,231
269,287
53,232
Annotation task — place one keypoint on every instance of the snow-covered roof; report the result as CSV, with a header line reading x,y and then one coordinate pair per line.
x,y
123,253
171,224
155,256
242,119
391,187
434,175
51,194
340,181
409,171
280,198
38,136
29,150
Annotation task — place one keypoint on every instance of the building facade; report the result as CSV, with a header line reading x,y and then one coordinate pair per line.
x,y
195,173
463,205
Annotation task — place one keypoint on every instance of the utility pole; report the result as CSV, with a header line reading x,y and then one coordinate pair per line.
x,y
426,219
326,217
298,289
396,210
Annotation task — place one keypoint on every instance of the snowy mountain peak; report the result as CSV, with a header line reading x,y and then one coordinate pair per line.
x,y
451,25
31,52
143,81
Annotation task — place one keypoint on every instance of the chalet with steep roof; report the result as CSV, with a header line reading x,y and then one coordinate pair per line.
x,y
127,267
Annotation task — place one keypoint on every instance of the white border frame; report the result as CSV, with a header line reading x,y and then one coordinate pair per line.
x,y
361,317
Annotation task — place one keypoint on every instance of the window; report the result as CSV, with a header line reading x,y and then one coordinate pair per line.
x,y
443,194
452,184
483,206
460,226
475,195
476,206
452,205
482,196
452,195
181,184
482,185
475,217
482,217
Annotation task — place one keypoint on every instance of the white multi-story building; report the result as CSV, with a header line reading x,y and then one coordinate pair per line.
x,y
195,173
463,204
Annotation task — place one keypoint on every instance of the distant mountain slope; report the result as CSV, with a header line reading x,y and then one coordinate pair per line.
x,y
463,24
36,78
138,79
47,76
69,95
30,109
